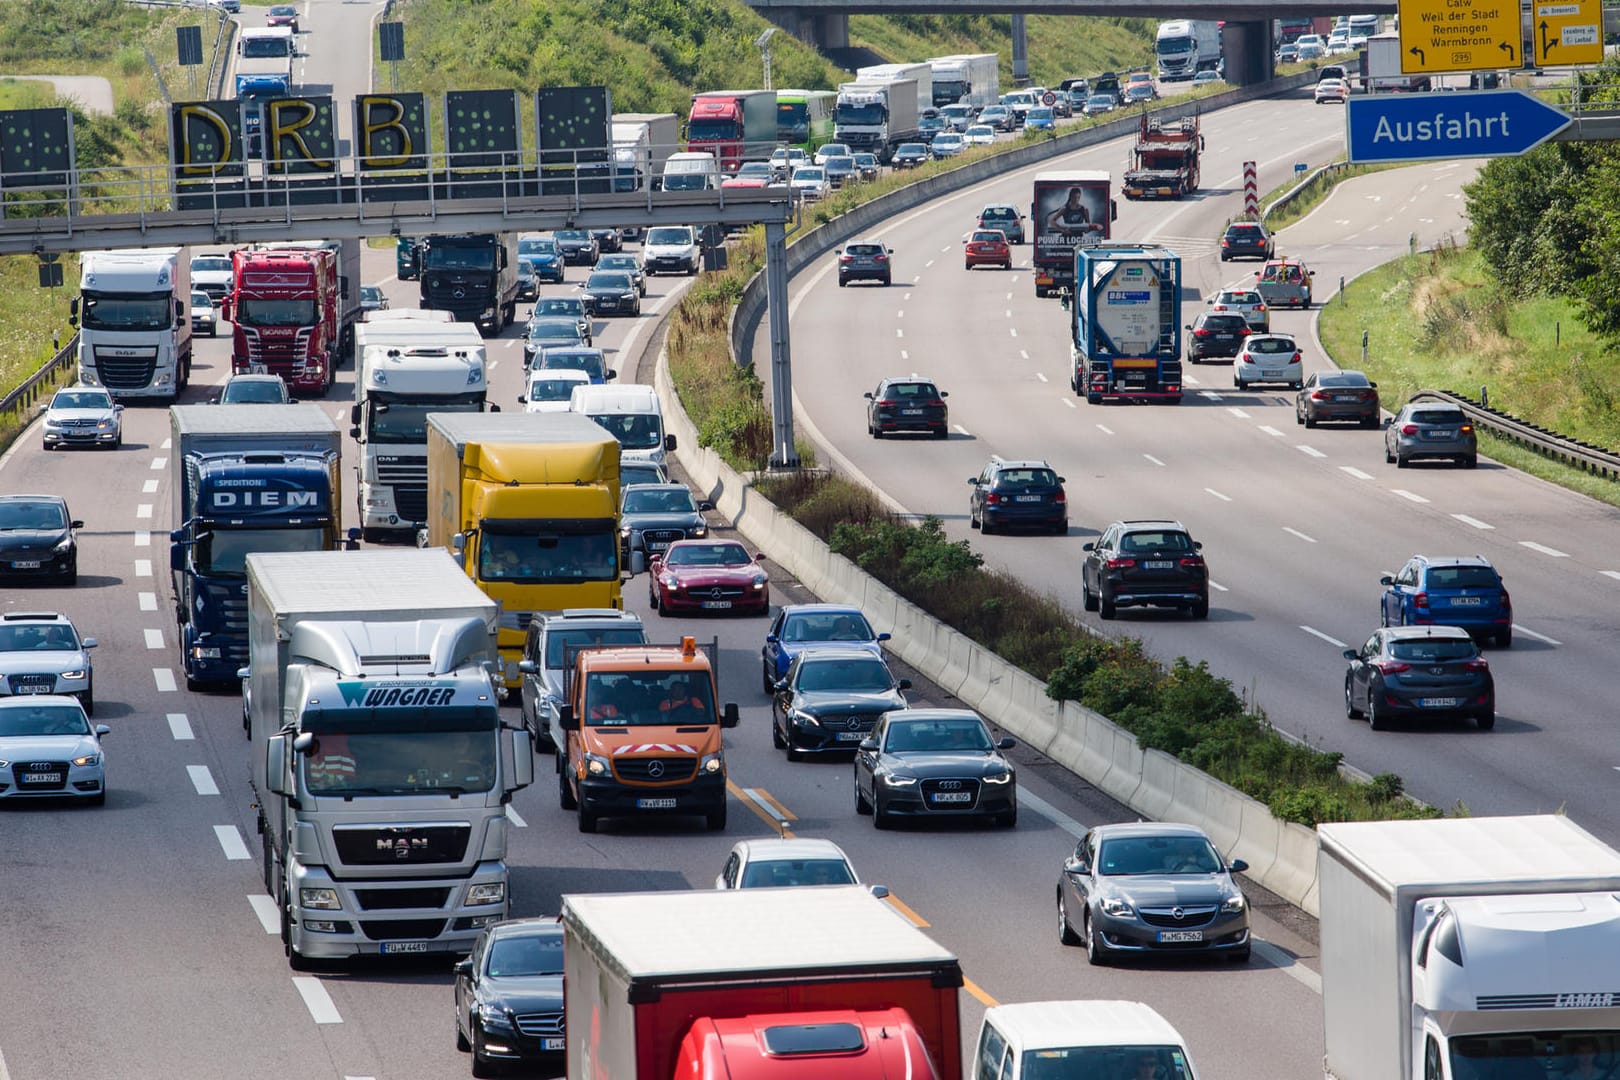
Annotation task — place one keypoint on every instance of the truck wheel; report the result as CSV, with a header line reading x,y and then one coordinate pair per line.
x,y
716,819
565,794
1093,399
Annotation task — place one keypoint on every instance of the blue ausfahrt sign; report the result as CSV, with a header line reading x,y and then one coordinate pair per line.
x,y
1416,127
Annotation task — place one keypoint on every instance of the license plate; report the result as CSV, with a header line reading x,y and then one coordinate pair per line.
x,y
554,1044
32,688
1440,702
389,948
31,564
42,778
716,604
655,804
851,736
1026,498
1344,397
954,796
1446,434
1273,374
1157,564
1465,601
657,545
1169,936
911,412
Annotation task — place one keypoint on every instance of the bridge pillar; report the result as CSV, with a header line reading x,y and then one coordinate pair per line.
x,y
814,26
1248,49
1020,52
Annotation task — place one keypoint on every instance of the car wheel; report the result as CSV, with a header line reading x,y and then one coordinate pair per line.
x,y
1096,950
777,739
768,683
1486,720
1088,599
842,283
1370,422
886,280
862,805
1008,820
1401,462
1350,710
1241,956
1200,609
877,432
1308,420
587,820
1389,456
1007,265
1066,934
88,700
967,266
1471,461
565,794
973,522
461,1040
880,816
1105,607
481,1066
985,527
942,433
100,798
1504,638
1375,719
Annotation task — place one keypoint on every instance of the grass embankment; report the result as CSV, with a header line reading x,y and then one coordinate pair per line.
x,y
1436,321
1319,188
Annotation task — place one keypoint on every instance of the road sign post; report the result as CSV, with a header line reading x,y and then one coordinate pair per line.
x,y
1458,35
1421,127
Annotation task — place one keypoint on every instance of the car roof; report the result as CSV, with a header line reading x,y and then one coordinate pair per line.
x,y
574,615
934,714
795,847
560,374
1147,828
520,926
656,487
822,609
1454,560
1144,524
23,701
1414,633
57,499
1004,463
36,617
1050,1025
255,377
1271,337
838,651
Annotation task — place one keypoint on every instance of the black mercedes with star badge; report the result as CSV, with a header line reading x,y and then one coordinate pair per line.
x,y
831,699
509,996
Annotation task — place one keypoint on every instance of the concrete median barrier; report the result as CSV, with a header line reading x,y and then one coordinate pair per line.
x,y
1156,792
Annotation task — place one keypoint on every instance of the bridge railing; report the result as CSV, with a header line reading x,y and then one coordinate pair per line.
x,y
15,406
1573,452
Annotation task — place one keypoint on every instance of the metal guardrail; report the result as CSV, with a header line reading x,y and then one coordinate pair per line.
x,y
23,398
1550,444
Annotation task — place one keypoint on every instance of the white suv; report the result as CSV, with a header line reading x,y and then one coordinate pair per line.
x,y
546,654
42,653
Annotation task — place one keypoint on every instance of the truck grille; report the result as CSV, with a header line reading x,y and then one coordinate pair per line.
x,y
536,1024
402,929
1191,918
409,481
33,684
410,502
655,770
126,372
22,770
280,355
370,845
396,899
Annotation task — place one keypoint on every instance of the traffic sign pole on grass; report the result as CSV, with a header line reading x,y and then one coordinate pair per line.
x,y
1421,127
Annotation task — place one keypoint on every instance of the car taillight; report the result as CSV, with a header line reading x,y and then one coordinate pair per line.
x,y
1408,429
1218,307
1259,307
1466,428
846,258
992,499
935,404
1201,333
1060,498
1320,395
1192,560
1421,601
1295,359
1121,564
880,258
887,404
1477,664
1507,604
1392,667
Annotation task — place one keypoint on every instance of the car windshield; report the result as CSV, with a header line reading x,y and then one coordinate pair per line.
x,y
669,235
1155,541
209,262
912,148
659,501
1088,1062
1231,297
779,873
1134,855
809,172
200,299
1245,232
1025,478
708,555
254,391
46,637
864,249
371,292
32,515
989,236
827,626
558,642
517,956
854,674
573,236
616,281
84,399
922,389
1434,649
43,720
978,130
552,389
555,329
1271,345
932,735
559,307
1437,416
634,431
1342,378
1099,101
647,699
998,213
586,360
1462,577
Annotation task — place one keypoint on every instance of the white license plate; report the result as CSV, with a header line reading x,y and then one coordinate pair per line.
x,y
656,545
716,604
1169,936
851,736
911,412
1273,374
389,948
954,796
1344,397
42,778
1440,702
32,688
1026,498
655,804
554,1044
1446,434
1466,601
1157,564
32,564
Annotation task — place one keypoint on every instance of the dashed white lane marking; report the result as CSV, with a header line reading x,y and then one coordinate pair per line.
x,y
1325,637
1239,413
202,780
904,355
929,263
1009,296
180,727
1527,632
154,638
143,538
1013,330
1024,353
1611,574
148,600
1209,395
1302,536
149,487
1312,451
230,842
164,679
1269,430
1219,588
962,430
1218,495
898,332
265,909
1355,472
943,250
143,567
1190,381
1041,377
1008,312
900,314
515,818
144,510
1105,429
1411,496
1071,405
164,445
1475,522
1155,460
337,414
1544,549
316,1000
160,462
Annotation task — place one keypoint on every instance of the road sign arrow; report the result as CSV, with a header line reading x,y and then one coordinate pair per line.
x,y
1505,47
1418,127
1417,52
1544,45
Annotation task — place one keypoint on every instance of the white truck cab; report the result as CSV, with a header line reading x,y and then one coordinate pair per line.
x,y
1043,1040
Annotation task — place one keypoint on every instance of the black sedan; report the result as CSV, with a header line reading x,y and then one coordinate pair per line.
x,y
551,332
610,292
907,405
1415,671
1151,887
38,539
1216,333
625,264
654,516
934,763
577,246
909,155
509,996
831,700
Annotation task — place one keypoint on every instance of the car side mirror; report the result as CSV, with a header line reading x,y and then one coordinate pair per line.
x,y
1063,479
1238,866
521,401
904,684
770,639
463,967
528,667
88,643
566,718
44,406
1006,742
1187,327
869,745
1389,422
838,251
781,684
1350,654
1088,547
729,717
705,505
944,393
1075,865
880,891
75,524
867,395
1386,580
1198,545
974,480
103,729
669,444
1373,385
885,636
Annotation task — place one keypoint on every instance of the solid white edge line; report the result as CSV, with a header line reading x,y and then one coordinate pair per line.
x,y
319,1003
1611,574
515,818
202,780
1311,630
1521,629
230,841
265,910
180,727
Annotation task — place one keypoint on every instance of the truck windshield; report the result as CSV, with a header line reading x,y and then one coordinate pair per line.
x,y
712,130
455,257
1084,1062
949,92
127,311
260,48
401,762
647,699
635,431
872,113
402,421
692,181
1175,46
1556,1054
557,557
254,311
222,551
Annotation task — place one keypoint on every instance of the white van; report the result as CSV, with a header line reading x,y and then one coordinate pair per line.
x,y
691,170
631,413
1042,1040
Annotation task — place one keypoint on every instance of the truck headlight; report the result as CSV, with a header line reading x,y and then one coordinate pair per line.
x,y
205,652
491,893
1233,904
1113,905
322,899
475,376
596,765
713,763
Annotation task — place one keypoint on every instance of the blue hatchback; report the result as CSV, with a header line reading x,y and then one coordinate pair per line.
x,y
1463,591
798,627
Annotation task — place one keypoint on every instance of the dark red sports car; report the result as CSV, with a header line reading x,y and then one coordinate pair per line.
x,y
708,575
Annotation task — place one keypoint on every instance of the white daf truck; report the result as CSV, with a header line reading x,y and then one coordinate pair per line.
x,y
133,312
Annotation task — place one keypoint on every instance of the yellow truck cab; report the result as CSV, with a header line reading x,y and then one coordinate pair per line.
x,y
529,505
642,733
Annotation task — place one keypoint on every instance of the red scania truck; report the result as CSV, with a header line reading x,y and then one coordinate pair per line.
x,y
285,311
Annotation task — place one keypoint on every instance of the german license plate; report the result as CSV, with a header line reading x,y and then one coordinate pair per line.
x,y
1273,374
1445,434
1167,937
655,804
30,564
953,796
716,604
32,688
911,412
42,778
554,1044
1465,601
1026,498
851,736
1157,564
1344,397
657,545
390,948
1440,702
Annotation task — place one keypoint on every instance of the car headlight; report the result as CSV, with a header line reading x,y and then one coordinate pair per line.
x,y
898,780
596,765
324,899
87,759
63,545
700,530
1233,904
799,716
625,532
490,893
631,295
999,778
1113,905
759,582
713,763
76,673
104,425
670,581
52,425
495,1016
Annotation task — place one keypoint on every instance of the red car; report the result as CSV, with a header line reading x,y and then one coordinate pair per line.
x,y
707,575
282,15
987,247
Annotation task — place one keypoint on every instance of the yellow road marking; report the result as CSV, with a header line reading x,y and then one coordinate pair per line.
x,y
787,815
750,798
973,988
916,919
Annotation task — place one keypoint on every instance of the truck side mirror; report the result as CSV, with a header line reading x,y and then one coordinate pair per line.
x,y
522,759
728,715
528,667
180,310
669,443
354,414
352,539
1113,209
354,432
73,311
458,543
177,557
275,765
566,718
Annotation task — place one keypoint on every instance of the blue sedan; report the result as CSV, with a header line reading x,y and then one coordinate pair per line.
x,y
798,627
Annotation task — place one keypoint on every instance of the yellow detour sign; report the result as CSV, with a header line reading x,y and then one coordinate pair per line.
x,y
1459,35
1567,32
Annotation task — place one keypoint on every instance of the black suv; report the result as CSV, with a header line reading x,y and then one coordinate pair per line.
x,y
1018,493
1216,333
1145,564
907,405
1247,240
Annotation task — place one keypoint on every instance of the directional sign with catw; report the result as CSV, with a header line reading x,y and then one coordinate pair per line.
x,y
1418,127
1567,31
1459,35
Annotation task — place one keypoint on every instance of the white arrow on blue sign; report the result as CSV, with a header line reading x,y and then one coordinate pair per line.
x,y
1418,127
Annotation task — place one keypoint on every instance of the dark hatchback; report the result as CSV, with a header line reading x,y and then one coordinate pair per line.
x,y
934,763
831,700
1247,240
1337,395
1145,564
868,260
1216,333
38,539
1408,671
1009,493
1463,591
909,155
907,405
509,996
